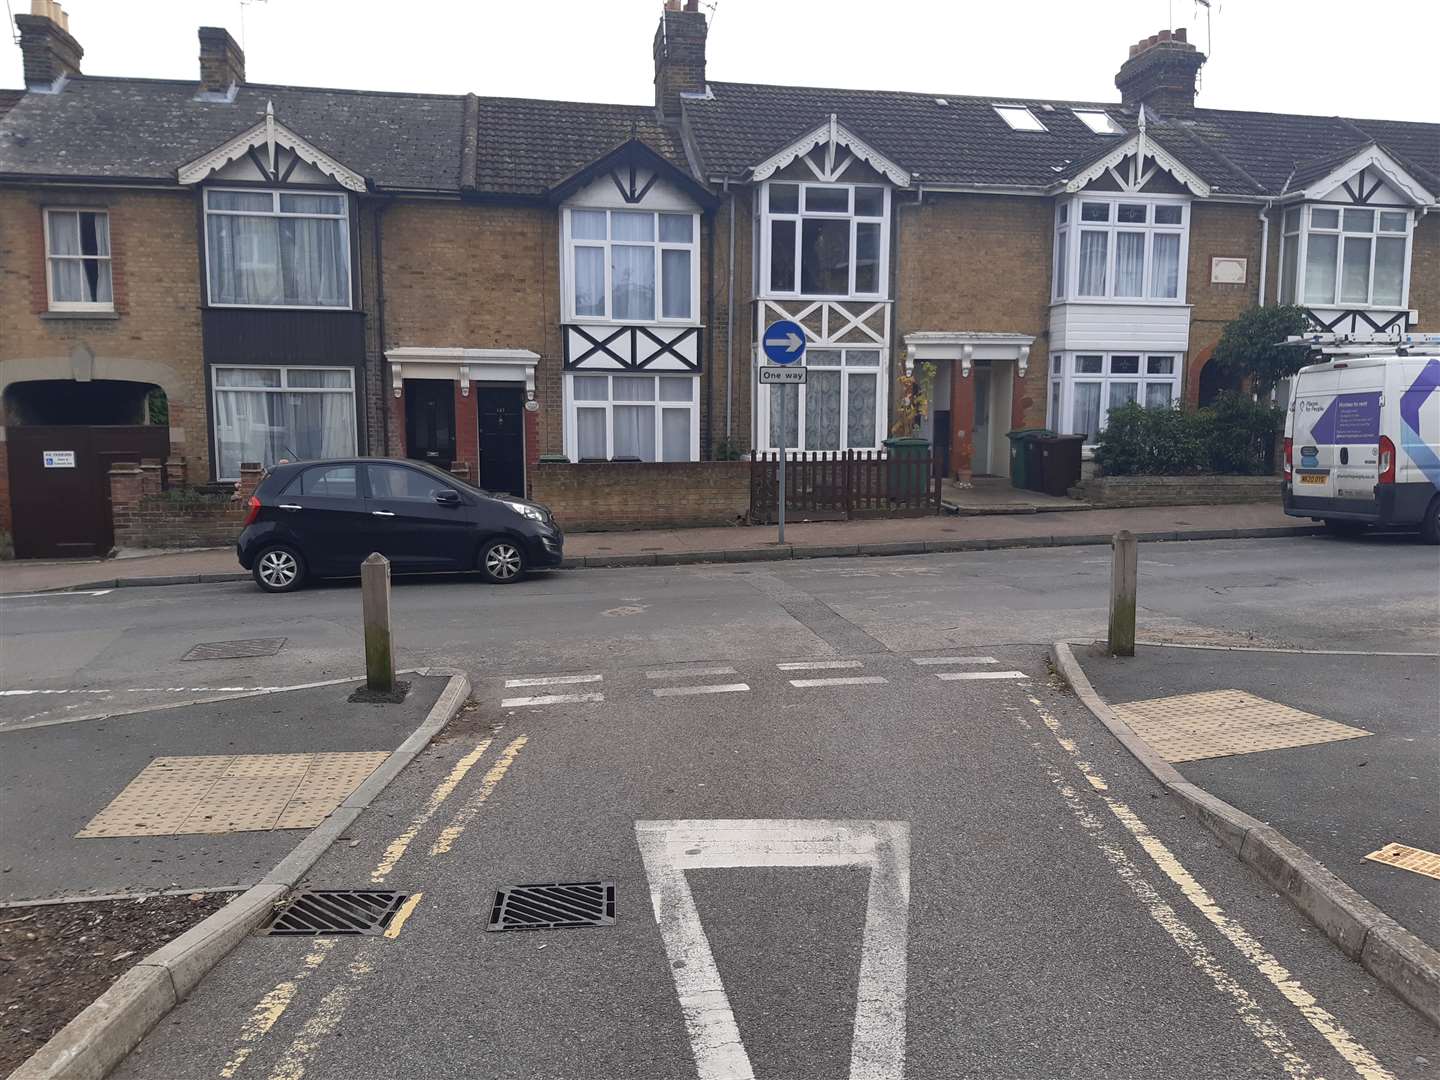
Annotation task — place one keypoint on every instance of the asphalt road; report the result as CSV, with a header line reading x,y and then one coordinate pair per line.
x,y
949,877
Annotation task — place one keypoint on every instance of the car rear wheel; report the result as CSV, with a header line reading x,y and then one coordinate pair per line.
x,y
1343,527
502,561
279,569
1430,523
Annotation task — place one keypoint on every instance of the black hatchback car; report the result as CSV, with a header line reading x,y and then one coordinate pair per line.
x,y
322,518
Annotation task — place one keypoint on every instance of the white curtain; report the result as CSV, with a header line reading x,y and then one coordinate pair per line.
x,y
1158,395
1355,271
244,260
590,281
822,410
265,425
1389,270
784,417
675,283
632,282
1122,393
1320,269
312,261
590,434
1165,274
1087,410
80,280
860,410
1094,250
634,431
675,434
1130,263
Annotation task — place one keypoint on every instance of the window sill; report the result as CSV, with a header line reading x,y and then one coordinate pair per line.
x,y
91,316
1111,301
863,298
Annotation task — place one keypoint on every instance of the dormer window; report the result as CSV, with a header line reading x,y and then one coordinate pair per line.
x,y
1098,121
277,248
825,240
1019,118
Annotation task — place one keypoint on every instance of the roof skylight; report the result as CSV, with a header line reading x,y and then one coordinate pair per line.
x,y
1101,123
1019,118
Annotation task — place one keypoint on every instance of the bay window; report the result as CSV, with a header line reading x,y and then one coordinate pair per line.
x,y
633,417
1345,256
77,254
277,248
824,239
267,413
1084,387
840,406
632,265
1124,248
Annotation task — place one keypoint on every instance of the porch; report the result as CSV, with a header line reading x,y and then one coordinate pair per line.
x,y
995,495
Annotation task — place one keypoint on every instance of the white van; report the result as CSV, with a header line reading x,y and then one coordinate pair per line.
x,y
1362,443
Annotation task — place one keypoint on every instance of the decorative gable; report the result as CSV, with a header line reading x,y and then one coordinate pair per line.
x,y
1371,176
275,152
1132,165
828,151
631,174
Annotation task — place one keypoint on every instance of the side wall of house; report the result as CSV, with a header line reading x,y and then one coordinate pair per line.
x,y
740,328
1425,274
1220,230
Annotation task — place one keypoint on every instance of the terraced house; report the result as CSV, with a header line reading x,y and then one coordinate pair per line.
x,y
215,272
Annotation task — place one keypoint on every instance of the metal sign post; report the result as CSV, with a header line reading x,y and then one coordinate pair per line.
x,y
784,344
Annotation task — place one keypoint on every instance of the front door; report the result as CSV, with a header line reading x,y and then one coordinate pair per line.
x,y
980,463
502,439
430,421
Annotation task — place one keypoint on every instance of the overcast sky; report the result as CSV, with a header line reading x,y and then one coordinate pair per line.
x,y
1312,56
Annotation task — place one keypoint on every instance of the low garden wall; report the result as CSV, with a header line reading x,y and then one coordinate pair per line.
x,y
643,495
152,506
1176,490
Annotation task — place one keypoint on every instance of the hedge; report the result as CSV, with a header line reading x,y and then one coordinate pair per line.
x,y
1235,436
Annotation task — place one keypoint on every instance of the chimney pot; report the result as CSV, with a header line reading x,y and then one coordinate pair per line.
x,y
1180,34
1164,35
49,52
679,56
222,62
1160,73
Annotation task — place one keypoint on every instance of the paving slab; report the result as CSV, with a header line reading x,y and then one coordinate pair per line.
x,y
55,780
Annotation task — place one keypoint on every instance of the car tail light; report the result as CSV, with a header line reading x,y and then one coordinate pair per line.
x,y
1289,457
254,510
1387,460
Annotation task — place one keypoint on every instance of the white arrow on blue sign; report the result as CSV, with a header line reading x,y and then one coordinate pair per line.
x,y
784,341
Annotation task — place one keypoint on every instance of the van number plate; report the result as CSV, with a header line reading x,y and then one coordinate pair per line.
x,y
1312,478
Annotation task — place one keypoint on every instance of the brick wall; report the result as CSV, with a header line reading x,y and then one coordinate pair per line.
x,y
1220,229
148,513
1425,274
639,495
742,325
1177,490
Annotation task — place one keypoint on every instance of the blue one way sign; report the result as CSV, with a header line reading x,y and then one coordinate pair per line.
x,y
784,341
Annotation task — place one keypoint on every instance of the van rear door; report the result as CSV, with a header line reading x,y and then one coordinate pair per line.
x,y
1337,434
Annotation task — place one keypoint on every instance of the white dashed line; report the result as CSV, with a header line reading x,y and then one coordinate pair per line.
x,y
819,665
953,660
55,595
687,691
550,699
681,673
951,676
853,680
554,680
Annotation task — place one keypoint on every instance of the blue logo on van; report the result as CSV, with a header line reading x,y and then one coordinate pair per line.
x,y
1309,457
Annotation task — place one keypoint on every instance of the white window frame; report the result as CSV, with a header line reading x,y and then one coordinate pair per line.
x,y
766,217
569,244
882,392
284,388
51,258
1064,373
1305,228
1030,123
275,193
1099,121
1068,288
572,407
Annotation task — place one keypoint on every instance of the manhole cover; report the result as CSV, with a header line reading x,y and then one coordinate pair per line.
x,y
235,650
335,911
553,906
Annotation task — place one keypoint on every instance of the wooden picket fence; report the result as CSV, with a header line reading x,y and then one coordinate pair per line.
x,y
838,485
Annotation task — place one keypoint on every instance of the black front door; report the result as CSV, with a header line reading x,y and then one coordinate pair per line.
x,y
502,439
430,421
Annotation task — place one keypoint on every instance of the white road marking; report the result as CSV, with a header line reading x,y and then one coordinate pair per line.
x,y
670,848
953,660
152,690
819,665
852,680
549,699
1365,1064
680,673
688,691
952,676
554,680
53,595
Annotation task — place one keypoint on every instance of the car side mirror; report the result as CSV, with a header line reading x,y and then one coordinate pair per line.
x,y
446,496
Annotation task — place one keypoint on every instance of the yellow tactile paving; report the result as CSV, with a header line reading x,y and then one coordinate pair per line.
x,y
1408,858
233,793
1220,723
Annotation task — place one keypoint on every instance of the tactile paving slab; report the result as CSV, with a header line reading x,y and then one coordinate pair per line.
x,y
1222,723
1408,858
233,793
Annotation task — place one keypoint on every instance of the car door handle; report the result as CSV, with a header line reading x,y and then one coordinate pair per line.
x,y
289,506
381,513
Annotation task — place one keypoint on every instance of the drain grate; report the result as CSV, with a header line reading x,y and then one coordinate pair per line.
x,y
335,911
235,650
553,906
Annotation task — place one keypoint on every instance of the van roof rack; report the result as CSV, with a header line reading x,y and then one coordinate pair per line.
x,y
1332,345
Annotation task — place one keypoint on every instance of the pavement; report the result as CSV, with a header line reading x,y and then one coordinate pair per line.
x,y
55,778
1025,522
1338,800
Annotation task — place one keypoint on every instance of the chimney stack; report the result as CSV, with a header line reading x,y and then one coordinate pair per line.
x,y
679,56
50,53
1160,74
222,63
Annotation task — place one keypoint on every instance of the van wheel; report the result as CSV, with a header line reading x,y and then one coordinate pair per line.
x,y
279,569
1430,523
502,561
1343,527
